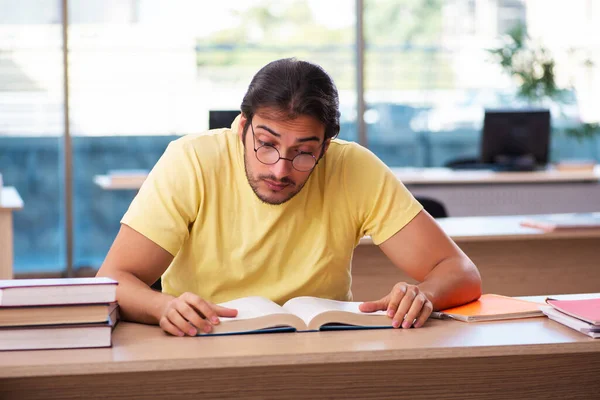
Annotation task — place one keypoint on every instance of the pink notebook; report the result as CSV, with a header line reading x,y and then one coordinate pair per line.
x,y
586,310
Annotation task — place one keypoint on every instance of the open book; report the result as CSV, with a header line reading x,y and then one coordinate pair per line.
x,y
493,307
260,315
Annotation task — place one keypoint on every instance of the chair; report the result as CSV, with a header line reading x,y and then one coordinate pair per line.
x,y
157,285
435,208
463,163
221,118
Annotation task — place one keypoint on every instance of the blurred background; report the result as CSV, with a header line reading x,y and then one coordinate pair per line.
x,y
141,73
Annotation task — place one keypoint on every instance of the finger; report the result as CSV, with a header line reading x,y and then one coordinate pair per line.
x,y
182,323
425,313
403,308
202,307
371,306
396,298
190,314
207,309
414,311
168,327
225,312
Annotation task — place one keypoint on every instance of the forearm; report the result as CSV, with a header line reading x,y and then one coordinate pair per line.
x,y
137,302
454,281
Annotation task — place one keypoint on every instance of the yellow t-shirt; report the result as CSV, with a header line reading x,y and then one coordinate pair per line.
x,y
198,205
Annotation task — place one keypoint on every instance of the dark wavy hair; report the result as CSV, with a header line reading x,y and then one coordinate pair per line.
x,y
294,88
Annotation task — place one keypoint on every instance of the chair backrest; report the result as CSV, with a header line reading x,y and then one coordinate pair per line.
x,y
462,162
434,207
221,118
157,285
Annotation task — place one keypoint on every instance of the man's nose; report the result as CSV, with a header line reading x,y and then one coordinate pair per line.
x,y
282,168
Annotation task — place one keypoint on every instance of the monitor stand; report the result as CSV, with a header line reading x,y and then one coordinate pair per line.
x,y
503,164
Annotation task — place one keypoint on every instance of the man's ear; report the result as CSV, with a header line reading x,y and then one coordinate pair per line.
x,y
241,126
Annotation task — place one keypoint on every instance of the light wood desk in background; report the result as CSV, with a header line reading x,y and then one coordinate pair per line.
x,y
513,260
10,201
484,192
474,193
532,358
133,182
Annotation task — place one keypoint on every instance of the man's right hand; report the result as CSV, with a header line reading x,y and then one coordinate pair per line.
x,y
189,314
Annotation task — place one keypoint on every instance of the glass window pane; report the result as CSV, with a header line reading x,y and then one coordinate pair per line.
x,y
31,129
430,74
144,72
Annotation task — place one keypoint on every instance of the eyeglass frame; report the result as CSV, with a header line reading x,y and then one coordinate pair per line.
x,y
279,154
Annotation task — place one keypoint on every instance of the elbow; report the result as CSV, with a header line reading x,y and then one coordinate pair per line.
x,y
473,281
108,272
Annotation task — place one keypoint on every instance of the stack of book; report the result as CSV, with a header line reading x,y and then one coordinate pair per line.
x,y
57,313
580,315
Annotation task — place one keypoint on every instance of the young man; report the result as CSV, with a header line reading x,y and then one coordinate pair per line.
x,y
274,207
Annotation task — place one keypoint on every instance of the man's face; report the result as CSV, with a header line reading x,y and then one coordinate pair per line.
x,y
277,183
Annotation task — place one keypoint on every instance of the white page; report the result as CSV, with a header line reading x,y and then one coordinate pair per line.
x,y
309,307
252,307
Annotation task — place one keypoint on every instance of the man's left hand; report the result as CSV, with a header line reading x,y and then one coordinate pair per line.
x,y
406,304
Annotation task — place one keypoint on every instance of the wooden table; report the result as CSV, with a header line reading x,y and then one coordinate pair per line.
x,y
133,182
513,260
9,201
482,193
531,358
448,176
473,193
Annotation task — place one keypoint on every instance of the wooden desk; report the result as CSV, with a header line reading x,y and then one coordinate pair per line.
x,y
513,260
531,358
447,176
482,193
477,193
9,201
131,183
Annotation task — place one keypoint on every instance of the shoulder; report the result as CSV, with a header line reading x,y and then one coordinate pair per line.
x,y
206,147
206,142
351,156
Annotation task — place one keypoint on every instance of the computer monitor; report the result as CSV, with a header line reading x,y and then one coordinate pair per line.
x,y
221,118
516,139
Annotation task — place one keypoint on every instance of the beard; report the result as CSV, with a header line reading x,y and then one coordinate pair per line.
x,y
272,198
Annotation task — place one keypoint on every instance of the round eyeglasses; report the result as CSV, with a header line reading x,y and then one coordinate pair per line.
x,y
269,155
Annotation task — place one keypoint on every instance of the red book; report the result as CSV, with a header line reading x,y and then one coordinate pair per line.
x,y
587,310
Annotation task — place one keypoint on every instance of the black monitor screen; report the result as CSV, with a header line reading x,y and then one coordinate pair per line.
x,y
221,118
512,136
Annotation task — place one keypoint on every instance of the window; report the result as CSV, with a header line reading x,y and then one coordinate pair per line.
x,y
31,129
143,73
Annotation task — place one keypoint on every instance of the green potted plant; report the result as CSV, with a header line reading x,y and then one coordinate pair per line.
x,y
533,68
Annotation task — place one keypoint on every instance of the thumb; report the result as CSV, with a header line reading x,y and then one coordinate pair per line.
x,y
370,306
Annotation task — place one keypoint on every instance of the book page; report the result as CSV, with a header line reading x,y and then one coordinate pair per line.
x,y
308,308
252,307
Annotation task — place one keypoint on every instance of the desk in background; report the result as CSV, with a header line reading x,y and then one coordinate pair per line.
x,y
106,182
481,193
10,201
513,260
476,193
529,358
